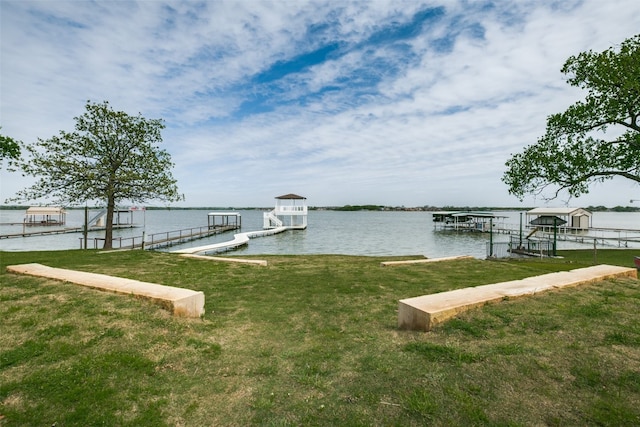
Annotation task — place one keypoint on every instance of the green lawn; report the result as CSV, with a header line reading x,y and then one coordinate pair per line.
x,y
312,340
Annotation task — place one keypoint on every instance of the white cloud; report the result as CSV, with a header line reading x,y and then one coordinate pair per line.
x,y
395,122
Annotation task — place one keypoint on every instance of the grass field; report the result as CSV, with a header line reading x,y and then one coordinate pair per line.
x,y
312,340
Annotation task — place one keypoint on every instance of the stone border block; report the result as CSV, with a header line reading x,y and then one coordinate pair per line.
x,y
423,312
425,260
179,301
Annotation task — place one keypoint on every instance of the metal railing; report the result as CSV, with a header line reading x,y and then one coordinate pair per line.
x,y
116,242
178,235
166,238
514,248
270,220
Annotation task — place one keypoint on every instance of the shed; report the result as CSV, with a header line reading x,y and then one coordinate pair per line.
x,y
575,218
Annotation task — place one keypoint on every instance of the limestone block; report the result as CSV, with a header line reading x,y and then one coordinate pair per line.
x,y
425,260
423,312
179,301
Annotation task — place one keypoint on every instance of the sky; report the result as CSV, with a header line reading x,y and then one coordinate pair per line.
x,y
397,103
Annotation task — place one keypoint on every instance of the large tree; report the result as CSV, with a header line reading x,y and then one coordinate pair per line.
x,y
593,140
110,157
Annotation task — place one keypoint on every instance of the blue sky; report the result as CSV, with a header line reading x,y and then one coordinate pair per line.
x,y
385,102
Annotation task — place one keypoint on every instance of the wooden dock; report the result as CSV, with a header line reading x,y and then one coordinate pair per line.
x,y
162,240
25,233
613,237
603,236
238,240
171,238
66,230
153,241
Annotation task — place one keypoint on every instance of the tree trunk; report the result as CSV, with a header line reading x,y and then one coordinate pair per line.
x,y
108,233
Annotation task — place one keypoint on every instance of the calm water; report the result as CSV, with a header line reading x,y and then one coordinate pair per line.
x,y
329,232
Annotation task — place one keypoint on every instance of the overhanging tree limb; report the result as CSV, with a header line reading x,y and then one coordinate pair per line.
x,y
574,152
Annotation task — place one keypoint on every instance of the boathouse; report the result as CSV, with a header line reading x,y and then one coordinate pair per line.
x,y
290,211
224,220
121,218
570,218
45,215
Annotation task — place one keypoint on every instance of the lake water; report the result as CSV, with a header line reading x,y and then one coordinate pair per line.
x,y
383,233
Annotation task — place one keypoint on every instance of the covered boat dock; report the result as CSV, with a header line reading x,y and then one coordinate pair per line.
x,y
227,220
45,215
466,220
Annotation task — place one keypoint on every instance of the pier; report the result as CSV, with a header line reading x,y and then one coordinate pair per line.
x,y
66,230
217,222
43,221
290,213
613,237
487,222
238,240
163,239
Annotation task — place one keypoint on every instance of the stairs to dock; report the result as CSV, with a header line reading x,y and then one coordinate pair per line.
x,y
96,218
532,233
270,220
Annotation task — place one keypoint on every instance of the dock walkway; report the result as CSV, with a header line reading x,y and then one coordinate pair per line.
x,y
160,240
423,312
171,238
65,230
605,236
239,239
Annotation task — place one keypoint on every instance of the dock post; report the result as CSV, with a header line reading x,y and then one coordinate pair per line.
x,y
555,236
85,232
490,237
519,247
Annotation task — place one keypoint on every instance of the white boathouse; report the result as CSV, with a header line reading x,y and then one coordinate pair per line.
x,y
290,211
224,220
45,215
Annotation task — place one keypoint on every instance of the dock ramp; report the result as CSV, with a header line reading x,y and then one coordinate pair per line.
x,y
239,239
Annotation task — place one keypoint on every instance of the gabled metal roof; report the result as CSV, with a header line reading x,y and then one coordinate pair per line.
x,y
559,211
550,220
45,210
467,214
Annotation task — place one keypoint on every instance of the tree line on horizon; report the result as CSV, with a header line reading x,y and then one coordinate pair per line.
x,y
355,208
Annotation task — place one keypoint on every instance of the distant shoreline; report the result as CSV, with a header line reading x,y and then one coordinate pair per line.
x,y
351,208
